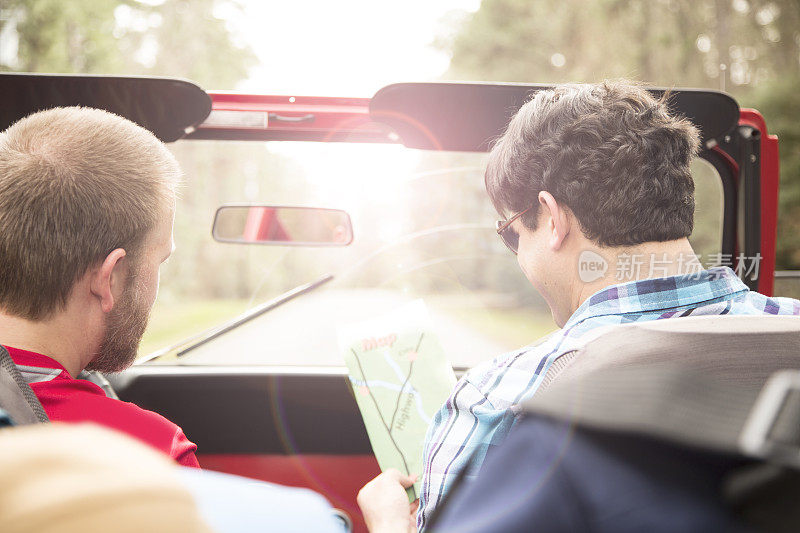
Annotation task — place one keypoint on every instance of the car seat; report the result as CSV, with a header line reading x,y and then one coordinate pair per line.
x,y
17,398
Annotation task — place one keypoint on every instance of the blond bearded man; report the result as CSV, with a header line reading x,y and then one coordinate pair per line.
x,y
86,208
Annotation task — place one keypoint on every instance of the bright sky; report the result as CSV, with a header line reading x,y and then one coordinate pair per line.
x,y
347,48
344,47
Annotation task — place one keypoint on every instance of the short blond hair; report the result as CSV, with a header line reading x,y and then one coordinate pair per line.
x,y
75,184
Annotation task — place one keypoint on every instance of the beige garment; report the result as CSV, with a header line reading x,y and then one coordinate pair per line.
x,y
59,478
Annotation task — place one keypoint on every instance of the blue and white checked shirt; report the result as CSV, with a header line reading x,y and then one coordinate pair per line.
x,y
477,415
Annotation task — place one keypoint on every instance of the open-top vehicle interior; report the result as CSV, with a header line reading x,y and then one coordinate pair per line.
x,y
241,390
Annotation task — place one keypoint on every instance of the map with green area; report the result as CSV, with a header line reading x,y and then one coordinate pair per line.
x,y
400,378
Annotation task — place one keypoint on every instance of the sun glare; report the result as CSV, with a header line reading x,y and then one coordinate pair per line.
x,y
360,178
347,48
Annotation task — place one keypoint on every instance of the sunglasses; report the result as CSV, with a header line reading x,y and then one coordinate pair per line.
x,y
509,236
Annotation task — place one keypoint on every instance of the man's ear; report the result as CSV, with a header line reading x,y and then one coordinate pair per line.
x,y
109,279
558,220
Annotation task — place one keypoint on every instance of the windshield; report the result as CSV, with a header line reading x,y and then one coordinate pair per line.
x,y
423,228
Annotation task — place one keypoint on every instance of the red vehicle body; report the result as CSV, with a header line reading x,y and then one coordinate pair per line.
x,y
260,422
348,120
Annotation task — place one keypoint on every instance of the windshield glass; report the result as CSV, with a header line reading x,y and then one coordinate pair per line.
x,y
423,228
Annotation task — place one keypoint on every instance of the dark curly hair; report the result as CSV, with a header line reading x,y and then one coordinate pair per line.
x,y
611,152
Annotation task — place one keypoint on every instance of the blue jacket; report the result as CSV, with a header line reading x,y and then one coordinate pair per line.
x,y
548,477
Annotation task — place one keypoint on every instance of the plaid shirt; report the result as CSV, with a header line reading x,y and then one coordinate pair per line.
x,y
478,413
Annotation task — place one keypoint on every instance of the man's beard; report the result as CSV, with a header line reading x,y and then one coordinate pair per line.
x,y
125,326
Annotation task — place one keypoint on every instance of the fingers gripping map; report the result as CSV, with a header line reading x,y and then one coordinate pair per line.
x,y
400,378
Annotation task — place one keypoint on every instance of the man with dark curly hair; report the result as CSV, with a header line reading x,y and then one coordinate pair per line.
x,y
595,188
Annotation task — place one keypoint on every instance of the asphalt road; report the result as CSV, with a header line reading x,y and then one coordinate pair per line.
x,y
304,332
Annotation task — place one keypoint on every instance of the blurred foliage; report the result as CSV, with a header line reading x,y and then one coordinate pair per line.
x,y
179,38
187,40
749,48
172,322
788,287
58,36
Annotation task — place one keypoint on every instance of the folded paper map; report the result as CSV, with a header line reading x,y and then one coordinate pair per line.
x,y
400,379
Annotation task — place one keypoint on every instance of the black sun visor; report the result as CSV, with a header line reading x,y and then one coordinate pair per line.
x,y
167,107
470,116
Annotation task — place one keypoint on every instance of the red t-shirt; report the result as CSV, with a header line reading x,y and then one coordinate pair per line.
x,y
77,400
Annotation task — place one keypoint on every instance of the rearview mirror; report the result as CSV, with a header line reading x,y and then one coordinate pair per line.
x,y
282,225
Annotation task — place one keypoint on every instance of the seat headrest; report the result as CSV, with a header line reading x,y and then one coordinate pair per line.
x,y
732,347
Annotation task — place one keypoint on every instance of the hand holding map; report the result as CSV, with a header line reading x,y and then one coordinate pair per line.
x,y
400,378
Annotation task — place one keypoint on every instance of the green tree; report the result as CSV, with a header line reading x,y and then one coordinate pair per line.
x,y
178,38
57,36
185,39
